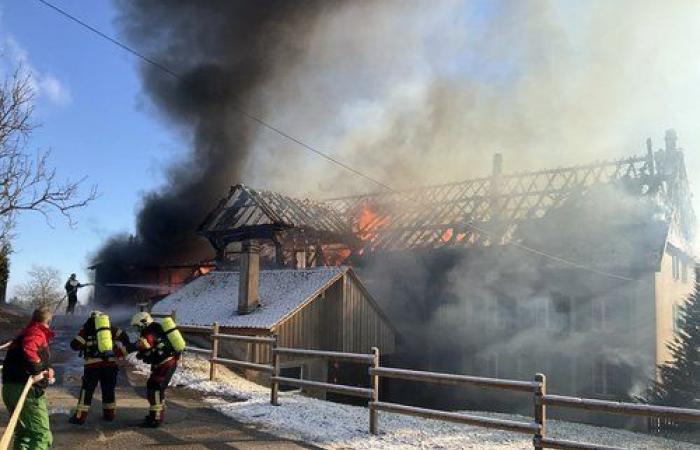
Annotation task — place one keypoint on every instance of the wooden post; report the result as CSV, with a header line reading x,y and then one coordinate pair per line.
x,y
214,351
374,385
275,373
540,409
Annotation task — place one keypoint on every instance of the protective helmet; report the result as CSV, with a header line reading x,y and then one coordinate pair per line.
x,y
72,275
141,319
96,313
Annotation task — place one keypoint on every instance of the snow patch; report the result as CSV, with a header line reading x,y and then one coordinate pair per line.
x,y
214,297
337,426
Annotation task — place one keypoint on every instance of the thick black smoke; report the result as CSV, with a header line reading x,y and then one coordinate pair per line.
x,y
221,53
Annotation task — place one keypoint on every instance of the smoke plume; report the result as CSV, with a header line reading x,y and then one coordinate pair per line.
x,y
221,53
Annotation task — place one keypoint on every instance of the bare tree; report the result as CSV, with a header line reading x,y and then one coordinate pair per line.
x,y
28,182
42,288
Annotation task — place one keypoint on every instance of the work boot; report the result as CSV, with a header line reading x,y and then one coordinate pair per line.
x,y
77,419
150,422
108,415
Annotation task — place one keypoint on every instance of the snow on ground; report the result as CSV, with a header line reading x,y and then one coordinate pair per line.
x,y
337,426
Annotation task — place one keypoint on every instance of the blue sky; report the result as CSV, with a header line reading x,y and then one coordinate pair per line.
x,y
93,120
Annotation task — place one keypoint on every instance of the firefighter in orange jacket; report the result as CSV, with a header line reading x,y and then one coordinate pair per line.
x,y
154,348
99,367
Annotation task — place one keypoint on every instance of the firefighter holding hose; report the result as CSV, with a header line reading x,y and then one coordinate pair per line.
x,y
160,345
100,344
72,286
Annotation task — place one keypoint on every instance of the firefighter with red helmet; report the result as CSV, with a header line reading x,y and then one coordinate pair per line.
x,y
100,345
155,348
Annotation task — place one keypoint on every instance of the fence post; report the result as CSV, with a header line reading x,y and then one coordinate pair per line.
x,y
374,385
540,409
274,389
214,351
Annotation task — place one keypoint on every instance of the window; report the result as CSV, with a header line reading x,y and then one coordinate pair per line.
x,y
504,312
678,317
583,313
610,379
675,266
492,365
600,314
487,365
561,317
601,378
291,372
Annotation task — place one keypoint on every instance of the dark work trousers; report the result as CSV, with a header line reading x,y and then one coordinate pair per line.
x,y
106,376
72,300
155,388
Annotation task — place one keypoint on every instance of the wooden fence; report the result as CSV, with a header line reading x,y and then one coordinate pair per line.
x,y
537,388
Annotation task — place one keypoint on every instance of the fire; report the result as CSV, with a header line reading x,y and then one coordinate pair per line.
x,y
335,255
203,270
447,235
368,223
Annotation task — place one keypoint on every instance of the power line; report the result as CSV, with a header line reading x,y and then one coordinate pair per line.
x,y
553,257
306,146
179,77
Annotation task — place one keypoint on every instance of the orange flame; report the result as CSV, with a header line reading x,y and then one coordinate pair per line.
x,y
447,235
369,222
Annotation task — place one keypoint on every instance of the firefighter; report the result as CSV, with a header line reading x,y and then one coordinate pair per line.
x,y
156,347
29,356
100,345
72,286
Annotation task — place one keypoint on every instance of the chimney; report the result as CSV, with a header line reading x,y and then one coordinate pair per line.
x,y
671,139
249,282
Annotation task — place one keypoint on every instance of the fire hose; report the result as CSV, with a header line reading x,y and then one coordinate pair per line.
x,y
60,302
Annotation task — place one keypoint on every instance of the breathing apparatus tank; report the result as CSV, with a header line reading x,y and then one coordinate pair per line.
x,y
104,333
174,336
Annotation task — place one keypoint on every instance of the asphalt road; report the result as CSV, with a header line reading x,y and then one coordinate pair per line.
x,y
190,423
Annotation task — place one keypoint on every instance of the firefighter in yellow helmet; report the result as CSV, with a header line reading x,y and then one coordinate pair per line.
x,y
156,347
100,345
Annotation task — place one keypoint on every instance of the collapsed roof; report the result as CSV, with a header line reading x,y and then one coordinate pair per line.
x,y
251,214
478,212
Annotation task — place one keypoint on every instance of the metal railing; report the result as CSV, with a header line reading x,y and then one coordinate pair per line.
x,y
537,388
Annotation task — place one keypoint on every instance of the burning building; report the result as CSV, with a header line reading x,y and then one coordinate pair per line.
x,y
576,272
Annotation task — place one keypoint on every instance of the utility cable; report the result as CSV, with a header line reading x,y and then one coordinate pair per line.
x,y
246,114
306,146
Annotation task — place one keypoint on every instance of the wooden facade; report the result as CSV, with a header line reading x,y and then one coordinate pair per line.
x,y
343,318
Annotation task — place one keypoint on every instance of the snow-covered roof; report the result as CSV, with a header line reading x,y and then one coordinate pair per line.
x,y
214,297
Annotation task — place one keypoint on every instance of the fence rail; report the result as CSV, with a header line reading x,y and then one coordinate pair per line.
x,y
243,364
355,357
452,379
536,388
628,409
330,387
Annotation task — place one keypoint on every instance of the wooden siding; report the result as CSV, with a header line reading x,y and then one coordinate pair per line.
x,y
342,318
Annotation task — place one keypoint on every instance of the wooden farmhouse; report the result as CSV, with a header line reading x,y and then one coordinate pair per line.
x,y
320,308
577,272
